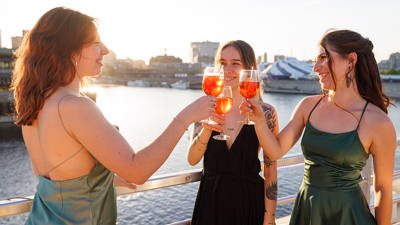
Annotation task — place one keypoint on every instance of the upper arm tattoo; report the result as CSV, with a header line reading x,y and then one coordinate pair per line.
x,y
270,117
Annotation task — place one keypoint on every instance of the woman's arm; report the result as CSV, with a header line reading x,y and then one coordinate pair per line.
x,y
274,147
383,149
270,169
85,121
200,137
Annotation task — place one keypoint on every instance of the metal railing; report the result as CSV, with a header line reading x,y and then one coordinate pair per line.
x,y
20,205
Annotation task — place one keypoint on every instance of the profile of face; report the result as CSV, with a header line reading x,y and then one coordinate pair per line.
x,y
232,63
340,67
90,59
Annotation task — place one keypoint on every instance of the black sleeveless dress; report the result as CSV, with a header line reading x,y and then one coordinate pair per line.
x,y
231,190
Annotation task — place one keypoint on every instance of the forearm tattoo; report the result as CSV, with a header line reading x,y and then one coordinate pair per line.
x,y
269,114
267,161
196,133
272,191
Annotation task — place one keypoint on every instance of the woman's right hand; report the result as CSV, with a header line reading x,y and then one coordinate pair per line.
x,y
218,126
200,109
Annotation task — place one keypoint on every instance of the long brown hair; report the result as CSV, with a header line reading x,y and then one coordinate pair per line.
x,y
367,75
45,59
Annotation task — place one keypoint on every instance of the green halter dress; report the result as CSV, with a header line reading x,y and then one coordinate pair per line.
x,y
330,193
85,200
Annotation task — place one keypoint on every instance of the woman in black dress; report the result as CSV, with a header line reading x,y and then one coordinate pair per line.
x,y
231,190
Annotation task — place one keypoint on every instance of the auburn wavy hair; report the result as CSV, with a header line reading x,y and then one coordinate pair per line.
x,y
367,75
45,59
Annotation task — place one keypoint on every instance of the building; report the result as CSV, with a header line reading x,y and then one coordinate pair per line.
x,y
164,59
262,58
16,42
203,52
279,57
392,63
6,67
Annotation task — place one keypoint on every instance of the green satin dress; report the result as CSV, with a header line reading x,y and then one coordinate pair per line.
x,y
86,200
330,193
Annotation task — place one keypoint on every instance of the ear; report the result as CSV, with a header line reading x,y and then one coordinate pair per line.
x,y
352,57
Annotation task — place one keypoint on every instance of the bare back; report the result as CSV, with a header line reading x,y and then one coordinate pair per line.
x,y
54,151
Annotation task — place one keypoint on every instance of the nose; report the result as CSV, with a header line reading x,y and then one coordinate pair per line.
x,y
104,49
316,67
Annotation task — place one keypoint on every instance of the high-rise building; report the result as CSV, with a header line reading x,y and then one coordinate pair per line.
x,y
203,52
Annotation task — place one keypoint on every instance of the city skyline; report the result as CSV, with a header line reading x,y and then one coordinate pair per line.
x,y
143,29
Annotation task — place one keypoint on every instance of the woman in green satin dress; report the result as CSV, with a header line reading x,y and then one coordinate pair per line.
x,y
342,128
76,153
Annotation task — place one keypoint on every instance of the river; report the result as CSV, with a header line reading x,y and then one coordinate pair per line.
x,y
142,114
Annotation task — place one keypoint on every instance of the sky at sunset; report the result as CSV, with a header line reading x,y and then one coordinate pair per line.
x,y
142,29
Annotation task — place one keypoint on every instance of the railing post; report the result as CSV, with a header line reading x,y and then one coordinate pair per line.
x,y
366,174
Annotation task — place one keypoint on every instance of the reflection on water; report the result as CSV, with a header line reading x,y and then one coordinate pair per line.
x,y
142,114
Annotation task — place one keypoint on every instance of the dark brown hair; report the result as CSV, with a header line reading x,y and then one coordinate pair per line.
x,y
367,75
45,59
245,50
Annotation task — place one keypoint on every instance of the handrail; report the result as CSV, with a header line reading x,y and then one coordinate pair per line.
x,y
19,205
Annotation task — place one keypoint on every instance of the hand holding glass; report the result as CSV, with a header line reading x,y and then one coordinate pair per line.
x,y
249,87
213,82
224,105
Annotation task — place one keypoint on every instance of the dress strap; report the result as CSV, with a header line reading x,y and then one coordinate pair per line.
x,y
315,106
62,124
362,114
59,116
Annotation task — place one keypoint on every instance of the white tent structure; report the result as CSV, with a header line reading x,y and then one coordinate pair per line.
x,y
289,68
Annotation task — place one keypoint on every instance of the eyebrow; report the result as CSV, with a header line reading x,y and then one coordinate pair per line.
x,y
237,60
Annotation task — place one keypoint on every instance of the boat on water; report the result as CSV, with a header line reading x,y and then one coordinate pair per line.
x,y
180,84
20,205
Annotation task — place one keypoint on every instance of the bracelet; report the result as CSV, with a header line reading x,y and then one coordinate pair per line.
x,y
181,122
269,213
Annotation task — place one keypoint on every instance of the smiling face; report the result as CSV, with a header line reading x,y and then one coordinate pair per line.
x,y
232,62
89,62
336,77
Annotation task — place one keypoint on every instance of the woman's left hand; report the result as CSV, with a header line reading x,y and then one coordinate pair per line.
x,y
120,182
253,109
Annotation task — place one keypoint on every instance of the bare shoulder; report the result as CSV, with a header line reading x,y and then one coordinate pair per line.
x,y
305,106
310,101
81,105
375,119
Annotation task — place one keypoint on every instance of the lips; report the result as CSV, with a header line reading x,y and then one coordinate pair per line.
x,y
229,78
99,61
323,77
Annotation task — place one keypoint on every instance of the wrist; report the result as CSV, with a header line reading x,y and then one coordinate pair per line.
x,y
182,119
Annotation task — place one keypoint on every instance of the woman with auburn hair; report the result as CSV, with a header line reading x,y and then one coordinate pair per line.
x,y
231,190
340,133
76,153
